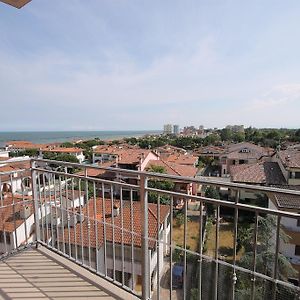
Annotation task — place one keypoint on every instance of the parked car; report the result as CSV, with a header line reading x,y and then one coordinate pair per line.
x,y
177,276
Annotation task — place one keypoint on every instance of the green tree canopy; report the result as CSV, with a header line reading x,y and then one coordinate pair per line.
x,y
167,185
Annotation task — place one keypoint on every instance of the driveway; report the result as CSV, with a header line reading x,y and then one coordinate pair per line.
x,y
177,294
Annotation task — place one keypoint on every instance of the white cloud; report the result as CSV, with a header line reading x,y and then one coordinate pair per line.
x,y
284,94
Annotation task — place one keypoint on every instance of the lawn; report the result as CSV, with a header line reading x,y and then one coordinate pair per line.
x,y
192,234
225,242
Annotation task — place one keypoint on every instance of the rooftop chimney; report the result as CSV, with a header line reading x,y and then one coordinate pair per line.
x,y
116,210
25,212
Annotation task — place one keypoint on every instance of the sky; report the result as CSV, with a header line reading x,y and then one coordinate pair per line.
x,y
136,65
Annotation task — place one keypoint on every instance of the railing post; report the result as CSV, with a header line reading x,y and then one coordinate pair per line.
x,y
145,242
235,245
35,202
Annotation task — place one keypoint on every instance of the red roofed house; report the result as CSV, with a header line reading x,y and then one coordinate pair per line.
x,y
289,163
241,153
15,176
183,159
276,173
178,170
125,158
261,173
16,223
88,233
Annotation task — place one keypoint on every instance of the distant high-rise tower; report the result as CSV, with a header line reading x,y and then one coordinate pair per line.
x,y
168,129
176,129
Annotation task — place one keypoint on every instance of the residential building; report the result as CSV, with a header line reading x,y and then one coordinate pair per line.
x,y
167,150
211,151
176,129
100,225
262,173
183,159
104,153
4,154
289,162
271,173
13,180
242,153
170,168
16,222
132,158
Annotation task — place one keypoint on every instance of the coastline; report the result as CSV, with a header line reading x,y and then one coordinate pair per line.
x,y
48,137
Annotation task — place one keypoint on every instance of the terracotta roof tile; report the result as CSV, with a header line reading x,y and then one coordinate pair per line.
x,y
173,168
116,234
182,159
258,173
290,202
290,158
10,213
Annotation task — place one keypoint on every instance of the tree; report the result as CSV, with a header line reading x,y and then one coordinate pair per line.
x,y
212,193
159,184
265,261
239,137
226,134
27,152
67,145
211,139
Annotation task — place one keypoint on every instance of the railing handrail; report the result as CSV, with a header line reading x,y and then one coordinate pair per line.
x,y
183,179
43,210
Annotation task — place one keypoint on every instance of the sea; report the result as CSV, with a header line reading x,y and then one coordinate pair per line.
x,y
45,137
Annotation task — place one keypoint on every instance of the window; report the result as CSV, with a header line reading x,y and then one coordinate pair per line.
x,y
297,250
4,237
297,175
245,150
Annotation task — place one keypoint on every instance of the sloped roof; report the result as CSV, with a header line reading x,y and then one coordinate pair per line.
x,y
173,168
132,156
284,201
268,173
243,145
91,172
182,159
290,158
99,214
13,167
10,214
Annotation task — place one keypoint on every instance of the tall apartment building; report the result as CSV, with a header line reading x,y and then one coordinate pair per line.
x,y
168,129
176,129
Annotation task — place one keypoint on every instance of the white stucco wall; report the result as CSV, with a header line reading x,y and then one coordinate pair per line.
x,y
150,156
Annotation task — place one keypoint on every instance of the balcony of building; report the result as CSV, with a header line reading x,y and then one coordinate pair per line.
x,y
85,237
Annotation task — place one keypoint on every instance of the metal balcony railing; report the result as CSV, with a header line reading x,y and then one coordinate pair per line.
x,y
133,236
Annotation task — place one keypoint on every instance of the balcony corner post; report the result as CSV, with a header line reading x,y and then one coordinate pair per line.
x,y
145,242
35,201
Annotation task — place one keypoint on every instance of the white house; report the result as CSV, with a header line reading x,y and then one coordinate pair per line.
x,y
130,237
16,222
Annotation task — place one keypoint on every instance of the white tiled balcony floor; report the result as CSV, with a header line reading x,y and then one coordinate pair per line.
x,y
42,274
